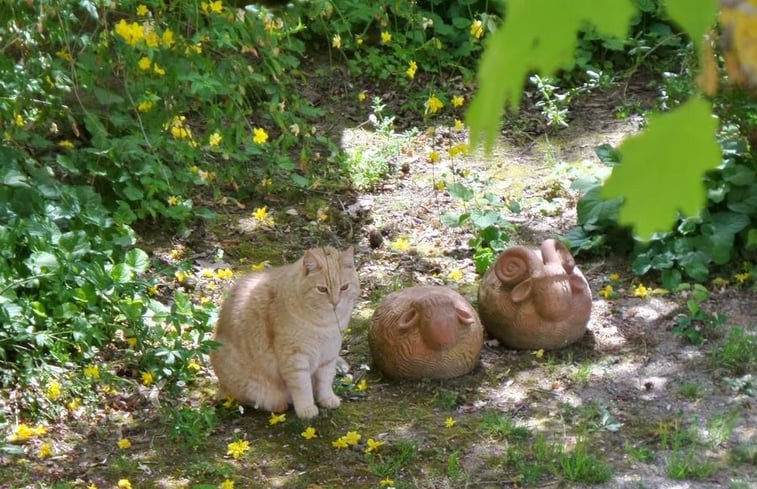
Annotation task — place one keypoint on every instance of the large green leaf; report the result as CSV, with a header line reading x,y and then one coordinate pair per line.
x,y
696,17
537,35
663,167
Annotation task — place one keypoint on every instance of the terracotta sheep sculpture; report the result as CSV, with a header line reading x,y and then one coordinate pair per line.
x,y
531,299
425,332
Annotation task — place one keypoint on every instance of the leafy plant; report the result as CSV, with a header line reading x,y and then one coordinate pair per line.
x,y
698,325
737,353
190,427
485,218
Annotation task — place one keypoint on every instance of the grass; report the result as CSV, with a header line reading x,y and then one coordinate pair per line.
x,y
738,352
579,466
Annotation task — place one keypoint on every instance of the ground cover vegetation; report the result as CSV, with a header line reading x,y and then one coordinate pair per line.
x,y
119,118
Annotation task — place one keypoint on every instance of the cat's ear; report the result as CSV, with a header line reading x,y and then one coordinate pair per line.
x,y
348,257
310,263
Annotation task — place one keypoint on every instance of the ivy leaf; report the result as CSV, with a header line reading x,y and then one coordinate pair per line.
x,y
663,167
537,35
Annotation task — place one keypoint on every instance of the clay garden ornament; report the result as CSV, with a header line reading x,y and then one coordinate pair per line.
x,y
531,299
425,332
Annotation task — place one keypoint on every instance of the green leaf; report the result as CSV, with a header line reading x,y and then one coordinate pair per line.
x,y
537,36
121,273
483,219
460,191
694,16
663,167
43,261
751,240
137,260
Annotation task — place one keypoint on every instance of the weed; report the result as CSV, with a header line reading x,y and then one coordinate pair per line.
x,y
454,470
498,425
738,353
698,325
720,428
397,456
582,467
686,465
691,390
446,399
581,374
640,453
191,426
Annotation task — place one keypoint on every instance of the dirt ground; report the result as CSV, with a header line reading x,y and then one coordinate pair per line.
x,y
637,392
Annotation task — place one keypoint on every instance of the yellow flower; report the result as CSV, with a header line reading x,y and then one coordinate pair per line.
x,y
477,29
192,365
92,371
144,63
386,37
458,101
152,39
147,378
24,432
336,41
124,484
227,484
606,292
74,404
433,156
741,277
224,273
640,291
142,10
339,443
20,120
180,132
538,353
124,444
215,139
229,402
440,186
359,40
158,70
614,277
168,38
132,342
260,213
412,68
352,437
461,148
309,433
459,125
449,422
216,7
386,482
373,445
455,275
45,450
259,135
131,33
238,448
256,267
401,244
362,385
362,96
53,390
92,486
433,105
63,54
276,418
66,144
145,105
173,200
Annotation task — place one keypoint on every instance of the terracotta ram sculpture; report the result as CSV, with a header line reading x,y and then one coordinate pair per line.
x,y
425,332
532,299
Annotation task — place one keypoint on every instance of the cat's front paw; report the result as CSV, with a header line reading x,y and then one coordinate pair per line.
x,y
306,412
331,402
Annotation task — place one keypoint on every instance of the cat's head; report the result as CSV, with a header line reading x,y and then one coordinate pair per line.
x,y
329,278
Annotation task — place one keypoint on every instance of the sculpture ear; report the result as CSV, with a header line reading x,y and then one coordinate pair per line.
x,y
516,264
408,319
310,263
567,260
577,282
465,316
522,291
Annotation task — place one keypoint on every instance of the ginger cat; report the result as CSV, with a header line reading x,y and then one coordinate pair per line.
x,y
281,332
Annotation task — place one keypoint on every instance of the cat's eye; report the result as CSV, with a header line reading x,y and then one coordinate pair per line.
x,y
345,287
322,289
